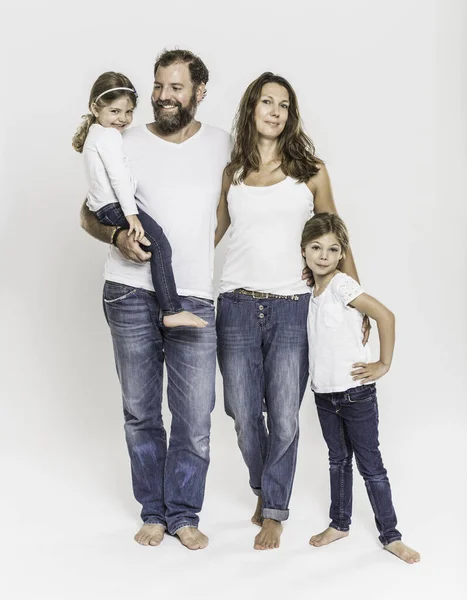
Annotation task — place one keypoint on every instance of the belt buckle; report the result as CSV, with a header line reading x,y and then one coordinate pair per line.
x,y
261,295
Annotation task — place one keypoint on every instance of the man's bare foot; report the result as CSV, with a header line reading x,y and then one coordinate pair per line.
x,y
150,535
327,536
184,318
257,518
403,552
270,535
192,538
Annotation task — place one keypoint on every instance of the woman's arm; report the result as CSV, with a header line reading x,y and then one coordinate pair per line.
x,y
320,187
223,217
386,330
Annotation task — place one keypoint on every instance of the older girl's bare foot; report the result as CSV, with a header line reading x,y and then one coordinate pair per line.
x,y
184,318
257,518
192,538
270,535
327,536
403,552
150,534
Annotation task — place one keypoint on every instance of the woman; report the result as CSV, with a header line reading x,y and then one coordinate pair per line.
x,y
270,189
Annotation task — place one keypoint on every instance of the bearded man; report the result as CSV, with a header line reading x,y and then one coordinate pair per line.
x,y
177,163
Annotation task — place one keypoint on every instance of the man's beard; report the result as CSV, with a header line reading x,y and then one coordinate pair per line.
x,y
172,122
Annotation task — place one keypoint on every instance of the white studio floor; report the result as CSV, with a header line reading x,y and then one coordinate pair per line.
x,y
69,517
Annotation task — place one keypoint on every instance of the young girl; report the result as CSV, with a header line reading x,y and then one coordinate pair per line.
x,y
342,379
111,187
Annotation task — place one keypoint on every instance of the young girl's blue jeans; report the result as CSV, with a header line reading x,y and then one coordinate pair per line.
x,y
349,421
161,259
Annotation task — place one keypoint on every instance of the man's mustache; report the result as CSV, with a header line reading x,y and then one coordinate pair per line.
x,y
166,103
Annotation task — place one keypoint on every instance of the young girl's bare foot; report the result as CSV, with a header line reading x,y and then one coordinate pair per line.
x,y
257,518
150,535
403,552
192,538
270,535
184,318
327,536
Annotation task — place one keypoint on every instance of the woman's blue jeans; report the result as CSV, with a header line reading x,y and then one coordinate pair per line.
x,y
263,358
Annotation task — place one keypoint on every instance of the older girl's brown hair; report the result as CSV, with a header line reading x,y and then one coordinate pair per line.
x,y
295,148
106,81
322,224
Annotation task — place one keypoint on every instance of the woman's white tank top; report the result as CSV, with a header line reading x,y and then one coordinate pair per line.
x,y
264,251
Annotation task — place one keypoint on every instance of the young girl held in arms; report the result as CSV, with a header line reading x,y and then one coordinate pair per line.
x,y
342,378
111,187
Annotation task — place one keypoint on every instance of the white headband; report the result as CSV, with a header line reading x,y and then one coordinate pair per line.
x,y
114,90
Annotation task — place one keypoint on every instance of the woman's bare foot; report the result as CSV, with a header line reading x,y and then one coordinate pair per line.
x,y
403,552
327,536
150,535
192,538
257,518
184,318
270,535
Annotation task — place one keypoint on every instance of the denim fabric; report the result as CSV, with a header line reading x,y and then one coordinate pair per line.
x,y
263,357
161,259
168,481
349,421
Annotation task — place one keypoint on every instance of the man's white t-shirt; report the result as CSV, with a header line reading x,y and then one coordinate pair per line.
x,y
335,336
179,186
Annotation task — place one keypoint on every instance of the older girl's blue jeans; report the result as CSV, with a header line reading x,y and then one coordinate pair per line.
x,y
161,259
349,421
263,358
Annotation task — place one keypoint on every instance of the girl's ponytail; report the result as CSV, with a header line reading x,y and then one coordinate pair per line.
x,y
82,132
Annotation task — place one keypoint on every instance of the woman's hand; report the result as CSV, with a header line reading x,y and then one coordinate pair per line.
x,y
307,274
368,372
366,328
135,227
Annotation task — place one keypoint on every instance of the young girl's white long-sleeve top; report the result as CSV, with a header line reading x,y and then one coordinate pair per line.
x,y
109,178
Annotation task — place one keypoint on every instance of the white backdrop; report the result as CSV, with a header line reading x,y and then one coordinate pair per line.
x,y
382,92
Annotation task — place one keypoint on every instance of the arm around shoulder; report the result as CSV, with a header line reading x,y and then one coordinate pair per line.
x,y
223,216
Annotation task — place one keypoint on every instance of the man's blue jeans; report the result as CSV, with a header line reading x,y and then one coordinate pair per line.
x,y
349,421
168,481
263,357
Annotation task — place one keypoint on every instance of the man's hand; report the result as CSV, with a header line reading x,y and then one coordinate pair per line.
x,y
366,328
131,249
367,372
308,275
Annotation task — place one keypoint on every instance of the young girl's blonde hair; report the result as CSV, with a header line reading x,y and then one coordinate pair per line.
x,y
322,224
103,92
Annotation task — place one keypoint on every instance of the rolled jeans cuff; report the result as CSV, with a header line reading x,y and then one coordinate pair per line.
x,y
256,491
334,525
276,514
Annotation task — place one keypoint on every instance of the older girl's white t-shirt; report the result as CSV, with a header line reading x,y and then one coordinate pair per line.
x,y
335,336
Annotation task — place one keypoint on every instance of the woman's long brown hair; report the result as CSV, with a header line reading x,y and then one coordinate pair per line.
x,y
295,148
